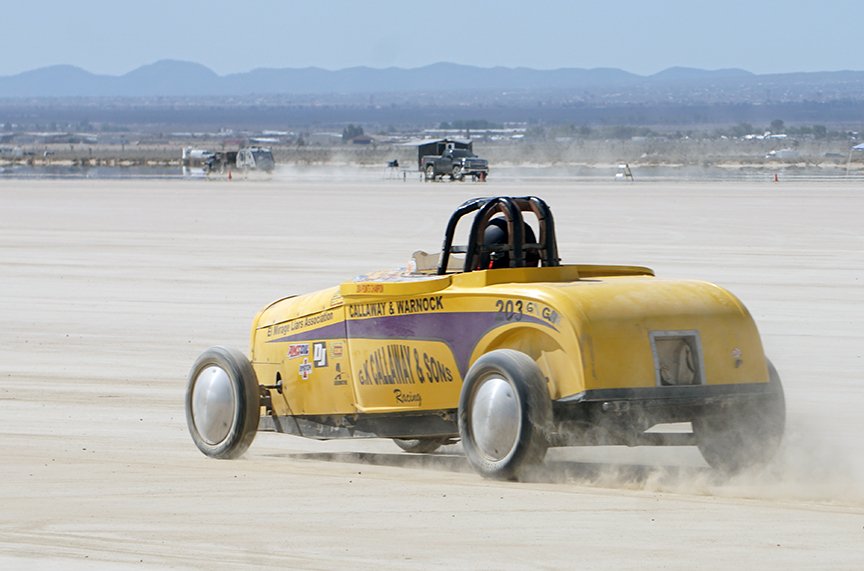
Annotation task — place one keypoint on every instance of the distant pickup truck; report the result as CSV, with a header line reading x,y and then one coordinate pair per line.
x,y
455,163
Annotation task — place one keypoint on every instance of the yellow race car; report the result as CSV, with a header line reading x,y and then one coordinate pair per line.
x,y
498,344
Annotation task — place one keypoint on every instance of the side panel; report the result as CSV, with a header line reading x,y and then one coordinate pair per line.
x,y
404,374
307,357
412,352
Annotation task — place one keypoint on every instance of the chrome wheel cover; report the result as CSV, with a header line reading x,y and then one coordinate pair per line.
x,y
496,418
213,404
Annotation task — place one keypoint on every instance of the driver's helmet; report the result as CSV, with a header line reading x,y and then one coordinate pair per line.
x,y
496,233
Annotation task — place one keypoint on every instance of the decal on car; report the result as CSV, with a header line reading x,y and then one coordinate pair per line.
x,y
420,305
370,288
282,329
298,350
408,398
367,309
516,309
305,369
339,380
319,354
401,364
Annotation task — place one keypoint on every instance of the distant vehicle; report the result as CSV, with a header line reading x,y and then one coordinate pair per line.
x,y
255,158
12,152
455,163
203,161
191,157
197,162
449,157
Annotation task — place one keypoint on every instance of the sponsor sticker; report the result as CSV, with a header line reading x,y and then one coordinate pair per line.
x,y
305,369
298,350
737,356
319,353
339,380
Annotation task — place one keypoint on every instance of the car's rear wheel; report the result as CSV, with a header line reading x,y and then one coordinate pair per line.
x,y
734,439
222,403
430,172
504,414
422,445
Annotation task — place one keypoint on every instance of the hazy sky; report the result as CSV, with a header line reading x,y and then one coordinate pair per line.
x,y
639,36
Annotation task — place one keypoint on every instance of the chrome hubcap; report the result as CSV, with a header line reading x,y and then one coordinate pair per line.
x,y
496,419
213,404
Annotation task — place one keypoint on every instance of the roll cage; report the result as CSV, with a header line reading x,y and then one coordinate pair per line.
x,y
512,208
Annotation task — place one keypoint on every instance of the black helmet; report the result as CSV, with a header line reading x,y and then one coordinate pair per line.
x,y
496,233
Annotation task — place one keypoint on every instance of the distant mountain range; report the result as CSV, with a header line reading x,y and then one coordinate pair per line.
x,y
170,78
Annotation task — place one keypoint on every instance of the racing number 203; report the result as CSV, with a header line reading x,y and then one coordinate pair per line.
x,y
513,310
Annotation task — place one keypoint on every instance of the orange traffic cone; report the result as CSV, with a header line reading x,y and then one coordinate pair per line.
x,y
229,174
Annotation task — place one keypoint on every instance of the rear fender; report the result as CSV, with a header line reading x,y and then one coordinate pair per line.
x,y
562,370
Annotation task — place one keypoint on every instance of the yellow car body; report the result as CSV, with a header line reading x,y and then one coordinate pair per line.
x,y
616,350
372,347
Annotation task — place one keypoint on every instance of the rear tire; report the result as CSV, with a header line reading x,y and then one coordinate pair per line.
x,y
504,414
734,439
430,172
222,403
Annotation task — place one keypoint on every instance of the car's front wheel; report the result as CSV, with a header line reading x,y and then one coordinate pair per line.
x,y
222,403
504,414
734,439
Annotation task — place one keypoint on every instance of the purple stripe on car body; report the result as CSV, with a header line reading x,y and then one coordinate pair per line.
x,y
458,330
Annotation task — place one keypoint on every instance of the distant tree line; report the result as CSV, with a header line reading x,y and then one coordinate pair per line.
x,y
467,124
79,126
183,114
738,131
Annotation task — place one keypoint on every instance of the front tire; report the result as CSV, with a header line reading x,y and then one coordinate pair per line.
x,y
735,439
222,403
504,414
